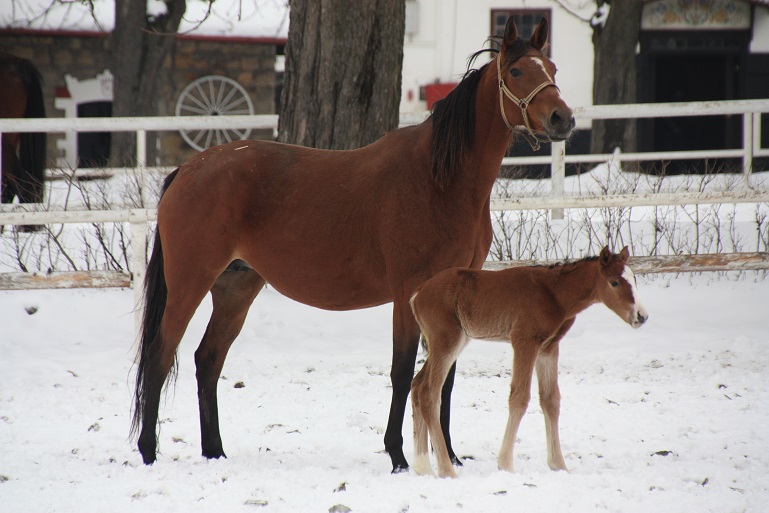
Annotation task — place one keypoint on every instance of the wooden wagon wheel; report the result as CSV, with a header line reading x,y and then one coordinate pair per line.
x,y
213,95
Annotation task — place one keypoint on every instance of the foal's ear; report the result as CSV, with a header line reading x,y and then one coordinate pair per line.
x,y
539,37
624,255
511,32
605,256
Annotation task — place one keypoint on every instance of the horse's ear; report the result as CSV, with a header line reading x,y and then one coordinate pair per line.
x,y
511,33
539,37
624,255
605,256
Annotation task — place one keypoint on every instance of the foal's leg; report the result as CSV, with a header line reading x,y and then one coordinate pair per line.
x,y
550,396
405,345
426,395
421,447
232,295
524,356
550,400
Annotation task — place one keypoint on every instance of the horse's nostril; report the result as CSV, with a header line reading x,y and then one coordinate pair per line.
x,y
555,118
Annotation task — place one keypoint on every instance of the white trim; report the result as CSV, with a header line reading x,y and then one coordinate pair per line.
x,y
97,89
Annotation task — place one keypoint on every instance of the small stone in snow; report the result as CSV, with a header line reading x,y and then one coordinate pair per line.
x,y
30,309
240,384
339,508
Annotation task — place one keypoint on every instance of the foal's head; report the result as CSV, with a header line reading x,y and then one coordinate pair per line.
x,y
530,101
617,287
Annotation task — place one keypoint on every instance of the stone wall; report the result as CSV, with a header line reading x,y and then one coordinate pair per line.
x,y
84,55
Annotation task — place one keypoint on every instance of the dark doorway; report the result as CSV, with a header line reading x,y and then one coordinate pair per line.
x,y
93,147
688,78
685,67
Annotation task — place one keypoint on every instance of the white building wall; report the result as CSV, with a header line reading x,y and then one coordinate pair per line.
x,y
760,42
450,30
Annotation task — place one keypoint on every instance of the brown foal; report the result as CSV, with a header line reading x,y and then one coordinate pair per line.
x,y
533,307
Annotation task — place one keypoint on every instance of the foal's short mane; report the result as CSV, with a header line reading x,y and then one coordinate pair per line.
x,y
567,266
453,118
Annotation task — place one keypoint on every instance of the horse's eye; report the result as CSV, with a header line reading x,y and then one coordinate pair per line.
x,y
615,283
515,72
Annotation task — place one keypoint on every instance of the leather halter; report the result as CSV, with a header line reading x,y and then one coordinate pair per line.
x,y
523,104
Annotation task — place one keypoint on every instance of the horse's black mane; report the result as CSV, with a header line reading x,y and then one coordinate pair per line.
x,y
453,118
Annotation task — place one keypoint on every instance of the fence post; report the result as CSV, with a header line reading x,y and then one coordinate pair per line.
x,y
557,174
138,222
747,144
141,148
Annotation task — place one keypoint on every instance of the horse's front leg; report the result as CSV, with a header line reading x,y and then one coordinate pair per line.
x,y
550,396
525,354
405,344
232,295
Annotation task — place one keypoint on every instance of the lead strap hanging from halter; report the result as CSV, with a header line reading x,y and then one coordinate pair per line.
x,y
523,104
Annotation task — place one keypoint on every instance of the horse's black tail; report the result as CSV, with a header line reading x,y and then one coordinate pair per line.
x,y
155,293
32,145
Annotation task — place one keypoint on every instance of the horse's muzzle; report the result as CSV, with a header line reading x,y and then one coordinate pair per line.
x,y
560,124
639,319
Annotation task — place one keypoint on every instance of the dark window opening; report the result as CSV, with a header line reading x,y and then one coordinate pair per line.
x,y
93,148
525,19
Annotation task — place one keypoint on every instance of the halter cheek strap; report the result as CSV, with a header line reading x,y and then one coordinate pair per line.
x,y
523,104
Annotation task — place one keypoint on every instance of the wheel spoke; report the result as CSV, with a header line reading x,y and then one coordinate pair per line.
x,y
204,98
194,110
238,101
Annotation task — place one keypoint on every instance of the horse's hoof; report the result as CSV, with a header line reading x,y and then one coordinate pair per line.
x,y
214,455
400,468
456,461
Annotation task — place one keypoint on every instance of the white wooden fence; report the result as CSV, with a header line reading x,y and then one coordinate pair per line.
x,y
139,219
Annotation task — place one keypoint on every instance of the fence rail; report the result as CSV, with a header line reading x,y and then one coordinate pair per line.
x,y
139,219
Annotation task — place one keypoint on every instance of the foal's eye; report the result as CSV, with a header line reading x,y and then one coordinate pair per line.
x,y
515,72
615,283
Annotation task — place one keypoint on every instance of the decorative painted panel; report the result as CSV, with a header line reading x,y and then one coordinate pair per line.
x,y
696,15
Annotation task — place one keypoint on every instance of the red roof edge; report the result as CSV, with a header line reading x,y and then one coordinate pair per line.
x,y
191,37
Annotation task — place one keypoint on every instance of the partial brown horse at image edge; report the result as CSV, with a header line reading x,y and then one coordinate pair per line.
x,y
533,307
23,154
338,230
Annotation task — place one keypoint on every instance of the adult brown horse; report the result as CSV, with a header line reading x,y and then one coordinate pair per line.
x,y
337,230
21,96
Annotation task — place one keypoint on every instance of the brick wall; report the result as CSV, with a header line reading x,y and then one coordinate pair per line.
x,y
84,55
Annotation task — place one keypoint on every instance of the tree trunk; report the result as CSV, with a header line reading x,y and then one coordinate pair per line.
x,y
139,45
614,72
343,72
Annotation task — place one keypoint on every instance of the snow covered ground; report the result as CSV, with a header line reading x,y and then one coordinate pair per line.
x,y
670,417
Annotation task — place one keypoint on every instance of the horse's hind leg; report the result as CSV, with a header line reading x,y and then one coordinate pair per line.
x,y
232,295
448,386
159,357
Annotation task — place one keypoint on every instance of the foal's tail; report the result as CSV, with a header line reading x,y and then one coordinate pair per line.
x,y
155,293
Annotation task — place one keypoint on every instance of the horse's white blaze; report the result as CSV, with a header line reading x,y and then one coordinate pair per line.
x,y
638,308
541,64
